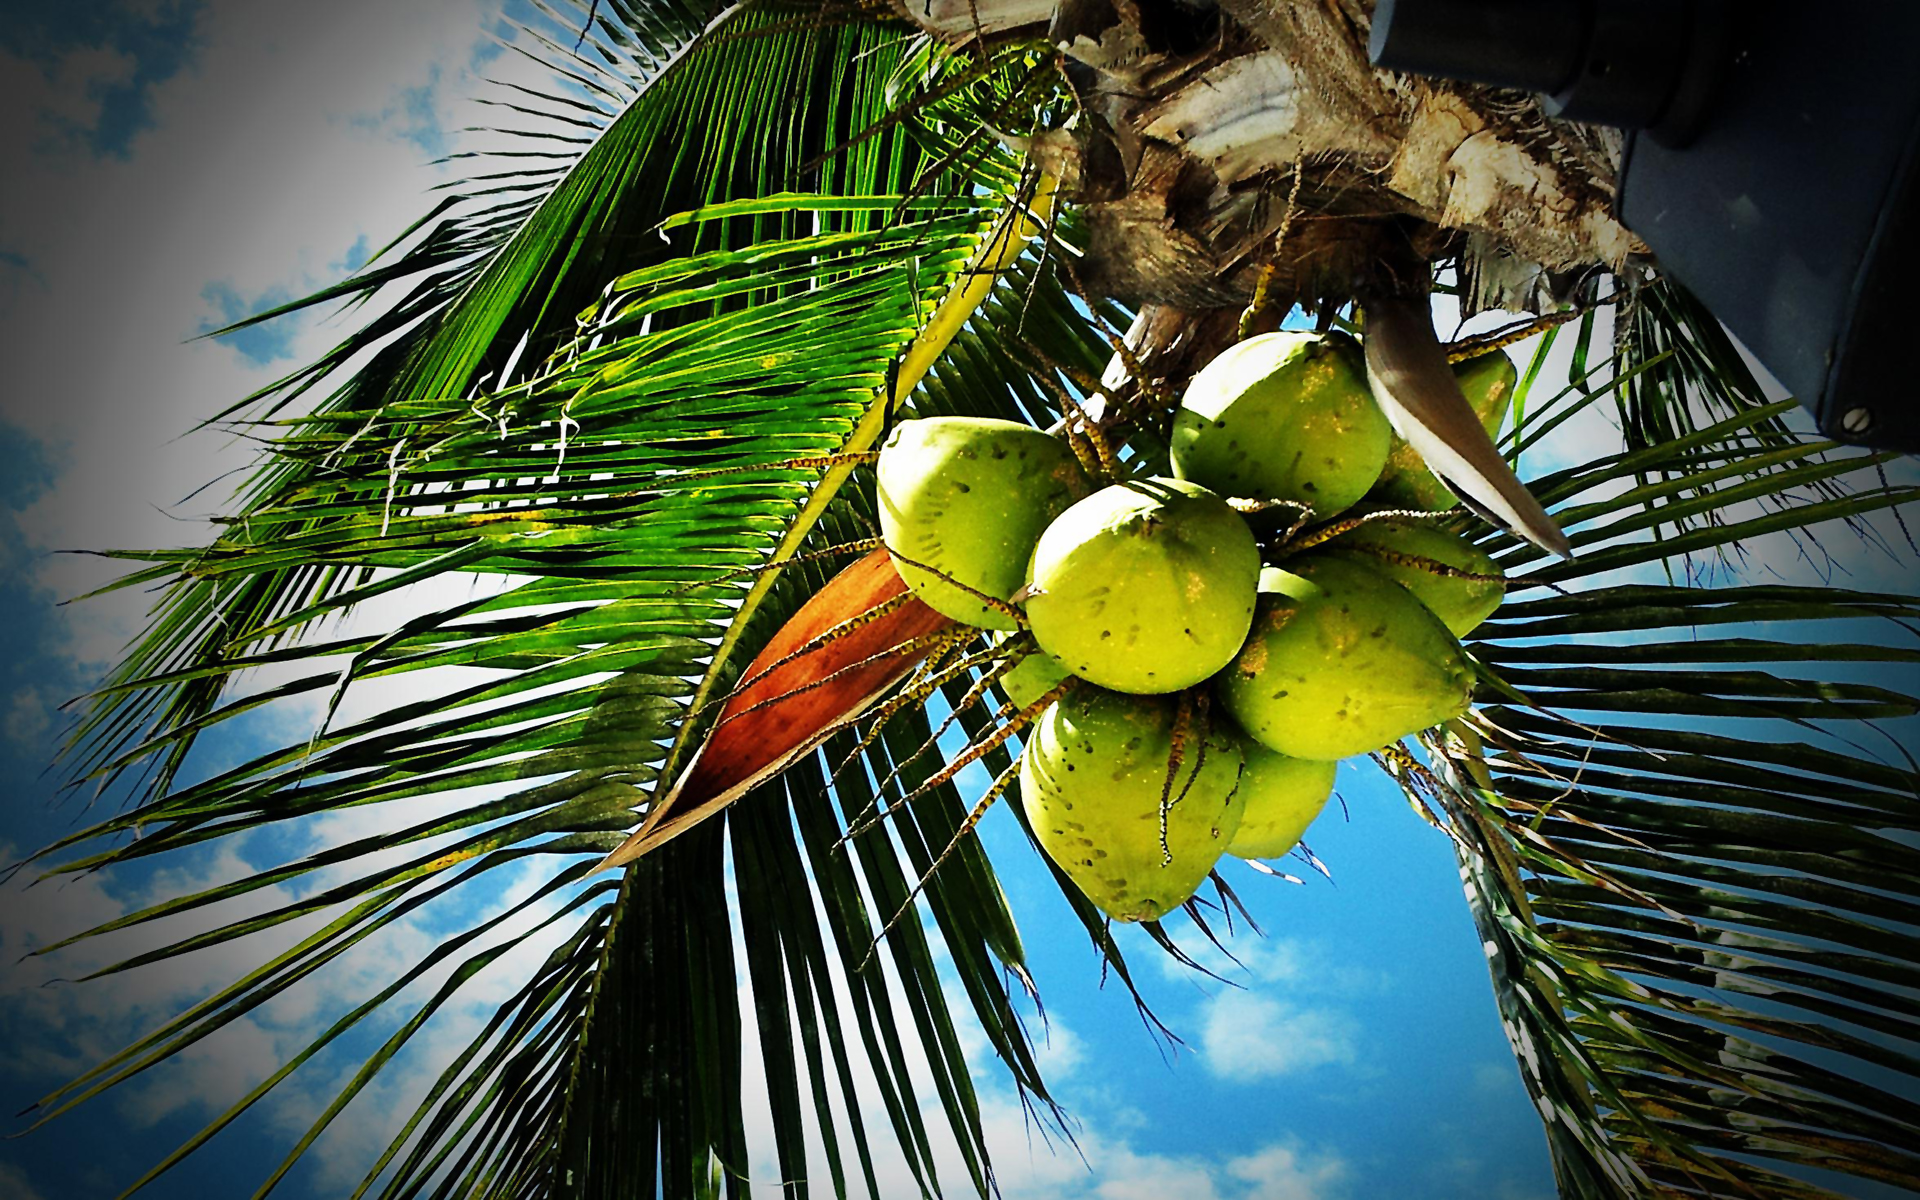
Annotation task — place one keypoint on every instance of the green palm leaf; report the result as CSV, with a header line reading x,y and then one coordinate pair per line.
x,y
601,644
496,283
621,478
1691,870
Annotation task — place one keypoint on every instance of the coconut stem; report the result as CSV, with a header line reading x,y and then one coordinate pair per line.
x,y
967,826
1334,529
806,462
912,646
973,696
825,638
994,740
993,602
971,754
1193,705
934,671
1507,335
1263,285
863,546
1430,566
1096,456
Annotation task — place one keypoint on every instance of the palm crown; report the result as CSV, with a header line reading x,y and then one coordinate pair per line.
x,y
629,377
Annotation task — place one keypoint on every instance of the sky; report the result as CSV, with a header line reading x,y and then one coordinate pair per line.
x,y
177,164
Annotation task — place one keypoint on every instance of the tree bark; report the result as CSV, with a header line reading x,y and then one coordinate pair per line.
x,y
1218,141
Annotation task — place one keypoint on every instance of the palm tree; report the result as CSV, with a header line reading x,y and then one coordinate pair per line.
x,y
627,375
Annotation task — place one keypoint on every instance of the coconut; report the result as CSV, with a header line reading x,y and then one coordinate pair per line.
x,y
968,497
1282,796
1091,780
1341,661
1388,546
1283,416
1487,382
1145,586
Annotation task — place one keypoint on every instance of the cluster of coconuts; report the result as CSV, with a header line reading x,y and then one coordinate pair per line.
x,y
1155,594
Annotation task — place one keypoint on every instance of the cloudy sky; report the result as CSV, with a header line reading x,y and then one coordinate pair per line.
x,y
177,164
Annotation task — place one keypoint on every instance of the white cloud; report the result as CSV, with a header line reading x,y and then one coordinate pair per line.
x,y
28,719
15,1185
206,1077
1248,1037
60,1024
1108,1158
1279,1010
65,95
1058,1053
1496,1077
1115,1167
286,147
295,139
1130,1176
1304,966
1288,1171
58,1031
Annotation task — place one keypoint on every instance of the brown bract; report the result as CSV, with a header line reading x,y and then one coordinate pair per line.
x,y
796,706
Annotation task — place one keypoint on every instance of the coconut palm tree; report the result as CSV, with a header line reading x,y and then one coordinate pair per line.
x,y
627,376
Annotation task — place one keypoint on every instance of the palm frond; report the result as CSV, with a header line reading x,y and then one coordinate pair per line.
x,y
1673,376
1686,836
671,372
497,276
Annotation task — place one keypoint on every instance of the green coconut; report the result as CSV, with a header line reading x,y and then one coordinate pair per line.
x,y
1091,779
1282,795
1488,382
1145,586
1283,416
1393,548
968,497
1341,661
1033,677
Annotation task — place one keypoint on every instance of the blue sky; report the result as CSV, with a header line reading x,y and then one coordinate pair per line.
x,y
191,163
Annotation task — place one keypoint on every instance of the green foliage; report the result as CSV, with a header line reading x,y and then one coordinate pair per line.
x,y
591,413
1690,855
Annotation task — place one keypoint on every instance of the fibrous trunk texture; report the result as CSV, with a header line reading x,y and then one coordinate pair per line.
x,y
1218,141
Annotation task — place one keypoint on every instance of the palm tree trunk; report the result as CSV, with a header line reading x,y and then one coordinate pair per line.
x,y
1220,142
